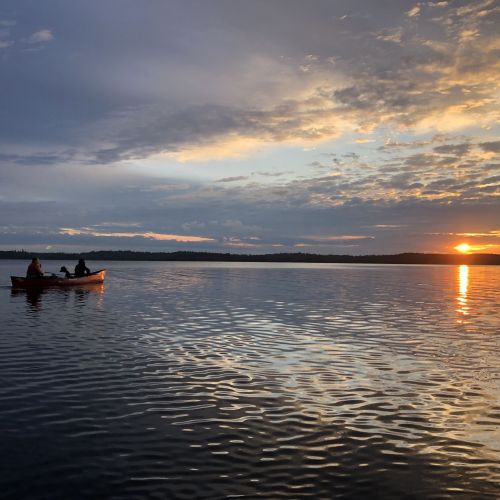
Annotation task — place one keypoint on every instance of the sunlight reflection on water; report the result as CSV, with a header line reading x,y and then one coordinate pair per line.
x,y
202,380
463,285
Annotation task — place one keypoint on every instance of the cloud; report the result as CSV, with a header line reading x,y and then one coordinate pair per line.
x,y
438,4
363,141
321,214
220,132
414,11
219,148
477,9
394,35
490,147
117,224
161,127
239,243
489,234
5,33
233,179
388,226
342,237
146,235
453,149
322,246
217,101
273,174
41,36
240,227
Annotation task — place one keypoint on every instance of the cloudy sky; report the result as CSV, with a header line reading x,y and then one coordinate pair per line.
x,y
325,126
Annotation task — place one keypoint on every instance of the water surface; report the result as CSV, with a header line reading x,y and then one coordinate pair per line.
x,y
179,380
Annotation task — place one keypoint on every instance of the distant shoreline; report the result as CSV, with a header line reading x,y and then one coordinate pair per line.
x,y
129,255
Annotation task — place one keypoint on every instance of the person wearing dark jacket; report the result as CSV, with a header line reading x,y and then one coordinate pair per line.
x,y
81,269
34,269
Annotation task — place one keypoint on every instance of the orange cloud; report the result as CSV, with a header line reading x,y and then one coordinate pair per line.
x,y
147,235
468,248
489,234
363,141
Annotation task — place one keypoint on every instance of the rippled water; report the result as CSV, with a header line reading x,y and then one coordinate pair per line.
x,y
178,380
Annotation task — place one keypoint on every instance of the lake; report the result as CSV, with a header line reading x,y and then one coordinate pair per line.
x,y
214,380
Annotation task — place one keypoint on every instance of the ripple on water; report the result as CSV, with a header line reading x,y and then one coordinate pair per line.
x,y
201,381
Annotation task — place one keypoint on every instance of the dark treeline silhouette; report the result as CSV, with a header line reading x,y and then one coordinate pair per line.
x,y
401,258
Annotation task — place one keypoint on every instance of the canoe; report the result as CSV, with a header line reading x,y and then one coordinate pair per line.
x,y
47,281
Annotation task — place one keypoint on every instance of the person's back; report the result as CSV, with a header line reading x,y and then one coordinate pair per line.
x,y
34,269
81,269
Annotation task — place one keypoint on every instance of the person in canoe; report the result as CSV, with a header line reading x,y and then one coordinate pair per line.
x,y
34,269
81,269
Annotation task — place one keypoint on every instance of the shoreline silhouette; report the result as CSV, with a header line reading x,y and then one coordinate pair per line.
x,y
130,255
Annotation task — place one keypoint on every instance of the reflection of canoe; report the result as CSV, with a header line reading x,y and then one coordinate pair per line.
x,y
97,277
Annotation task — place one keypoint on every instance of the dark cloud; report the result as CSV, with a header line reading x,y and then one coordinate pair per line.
x,y
90,88
273,174
453,149
491,147
233,179
122,97
261,226
37,159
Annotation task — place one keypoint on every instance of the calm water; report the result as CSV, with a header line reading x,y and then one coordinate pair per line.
x,y
243,380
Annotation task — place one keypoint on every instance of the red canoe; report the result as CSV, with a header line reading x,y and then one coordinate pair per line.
x,y
97,277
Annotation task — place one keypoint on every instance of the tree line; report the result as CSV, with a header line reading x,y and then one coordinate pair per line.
x,y
401,258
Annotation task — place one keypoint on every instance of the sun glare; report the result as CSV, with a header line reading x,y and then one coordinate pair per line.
x,y
463,248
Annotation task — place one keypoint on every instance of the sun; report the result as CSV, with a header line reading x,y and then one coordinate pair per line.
x,y
463,248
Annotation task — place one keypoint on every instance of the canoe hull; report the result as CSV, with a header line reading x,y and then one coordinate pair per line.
x,y
50,281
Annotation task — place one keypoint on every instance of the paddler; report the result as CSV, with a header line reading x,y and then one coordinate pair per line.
x,y
34,269
81,269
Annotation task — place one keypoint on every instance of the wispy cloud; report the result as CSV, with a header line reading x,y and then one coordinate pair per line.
x,y
414,11
41,36
342,237
147,235
233,179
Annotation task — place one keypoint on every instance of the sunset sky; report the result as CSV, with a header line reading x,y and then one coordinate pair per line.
x,y
325,126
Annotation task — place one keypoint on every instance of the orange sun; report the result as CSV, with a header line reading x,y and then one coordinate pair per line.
x,y
463,248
